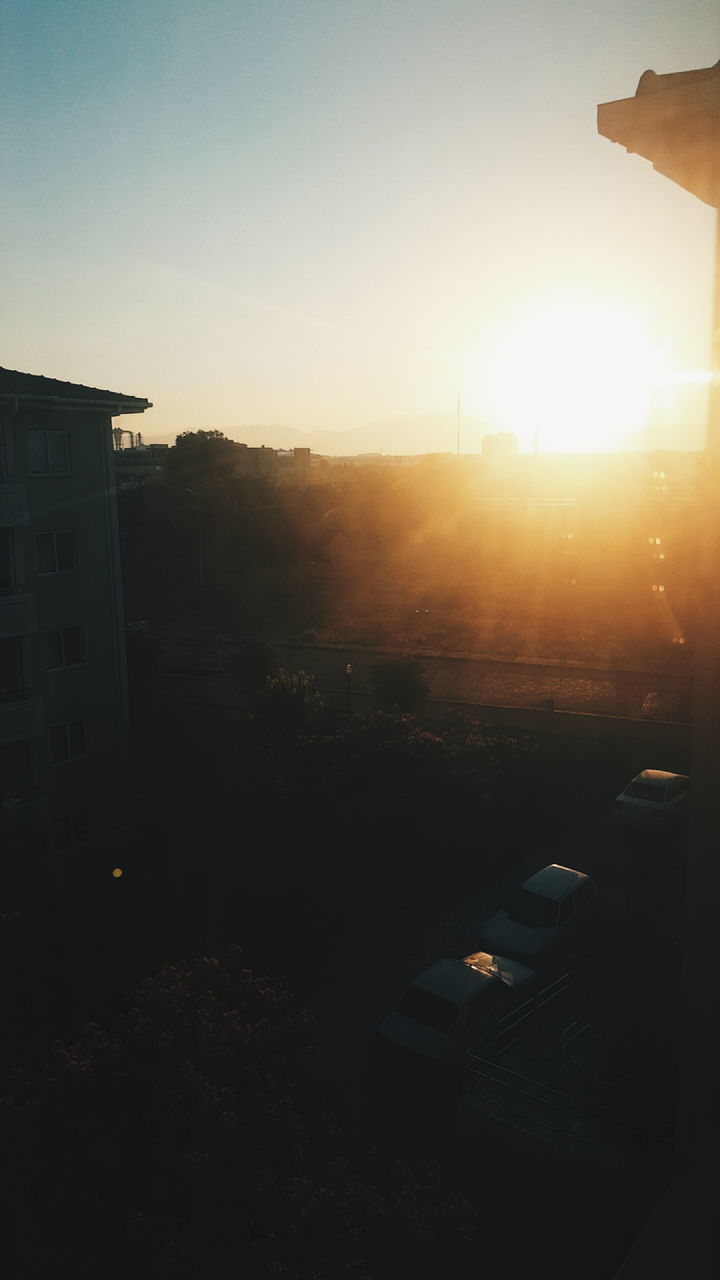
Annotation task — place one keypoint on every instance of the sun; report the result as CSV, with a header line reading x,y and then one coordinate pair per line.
x,y
567,379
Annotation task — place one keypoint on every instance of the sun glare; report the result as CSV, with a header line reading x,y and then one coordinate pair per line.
x,y
571,379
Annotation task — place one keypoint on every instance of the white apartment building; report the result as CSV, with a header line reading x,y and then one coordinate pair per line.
x,y
63,688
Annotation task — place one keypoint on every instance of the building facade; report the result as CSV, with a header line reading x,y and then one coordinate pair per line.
x,y
63,689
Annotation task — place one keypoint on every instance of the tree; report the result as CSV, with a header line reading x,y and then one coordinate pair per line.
x,y
201,455
400,685
191,1137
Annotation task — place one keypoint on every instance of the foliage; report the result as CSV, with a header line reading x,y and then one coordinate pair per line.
x,y
289,702
400,684
205,453
188,1138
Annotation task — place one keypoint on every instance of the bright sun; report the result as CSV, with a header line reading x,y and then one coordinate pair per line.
x,y
572,378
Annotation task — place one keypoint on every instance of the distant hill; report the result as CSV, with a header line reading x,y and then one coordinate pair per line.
x,y
429,433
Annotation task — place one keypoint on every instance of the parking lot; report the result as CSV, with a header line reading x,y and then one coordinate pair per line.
x,y
624,1008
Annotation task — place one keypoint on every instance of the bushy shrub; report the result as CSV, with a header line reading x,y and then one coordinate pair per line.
x,y
289,701
400,685
189,1137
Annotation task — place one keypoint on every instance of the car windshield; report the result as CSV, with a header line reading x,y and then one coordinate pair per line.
x,y
646,791
525,907
429,1009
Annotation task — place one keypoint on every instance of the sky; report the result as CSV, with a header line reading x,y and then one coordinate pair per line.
x,y
325,213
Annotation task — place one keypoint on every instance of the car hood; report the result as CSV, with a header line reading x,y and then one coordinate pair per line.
x,y
416,1038
519,941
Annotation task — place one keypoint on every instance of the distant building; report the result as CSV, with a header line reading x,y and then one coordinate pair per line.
x,y
260,461
63,689
294,465
139,464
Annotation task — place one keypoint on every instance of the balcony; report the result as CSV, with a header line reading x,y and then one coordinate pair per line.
x,y
17,614
20,717
13,504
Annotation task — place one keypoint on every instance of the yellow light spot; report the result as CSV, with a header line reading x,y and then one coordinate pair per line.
x,y
117,872
568,377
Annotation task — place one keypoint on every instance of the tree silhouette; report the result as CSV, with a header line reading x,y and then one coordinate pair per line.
x,y
191,1137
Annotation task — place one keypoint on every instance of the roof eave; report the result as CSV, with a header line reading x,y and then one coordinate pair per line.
x,y
114,408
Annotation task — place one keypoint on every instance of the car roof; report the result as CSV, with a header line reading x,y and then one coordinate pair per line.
x,y
454,980
656,775
554,882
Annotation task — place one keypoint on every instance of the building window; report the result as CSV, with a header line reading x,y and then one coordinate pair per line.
x,y
7,563
6,468
72,830
14,780
48,453
67,742
9,667
55,551
63,648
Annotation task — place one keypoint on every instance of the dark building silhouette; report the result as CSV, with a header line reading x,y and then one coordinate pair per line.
x,y
63,689
674,121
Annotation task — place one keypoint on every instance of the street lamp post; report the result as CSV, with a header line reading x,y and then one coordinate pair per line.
x,y
348,673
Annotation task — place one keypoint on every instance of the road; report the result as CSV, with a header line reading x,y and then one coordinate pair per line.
x,y
657,695
517,1185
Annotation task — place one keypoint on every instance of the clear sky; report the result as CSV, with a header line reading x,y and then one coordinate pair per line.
x,y
324,212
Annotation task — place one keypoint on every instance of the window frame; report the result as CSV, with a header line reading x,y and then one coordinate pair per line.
x,y
49,470
68,726
8,532
65,666
75,825
14,646
54,533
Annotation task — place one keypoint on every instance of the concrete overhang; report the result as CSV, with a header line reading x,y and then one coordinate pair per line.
x,y
674,122
113,408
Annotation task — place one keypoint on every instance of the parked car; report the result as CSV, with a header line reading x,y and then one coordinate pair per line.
x,y
449,1005
544,920
655,800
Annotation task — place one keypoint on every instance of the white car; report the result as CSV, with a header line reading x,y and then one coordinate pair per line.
x,y
544,919
654,800
449,1006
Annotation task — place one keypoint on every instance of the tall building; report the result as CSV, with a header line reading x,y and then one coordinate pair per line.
x,y
63,688
674,121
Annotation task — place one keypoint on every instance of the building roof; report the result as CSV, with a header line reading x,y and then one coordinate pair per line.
x,y
673,121
36,388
